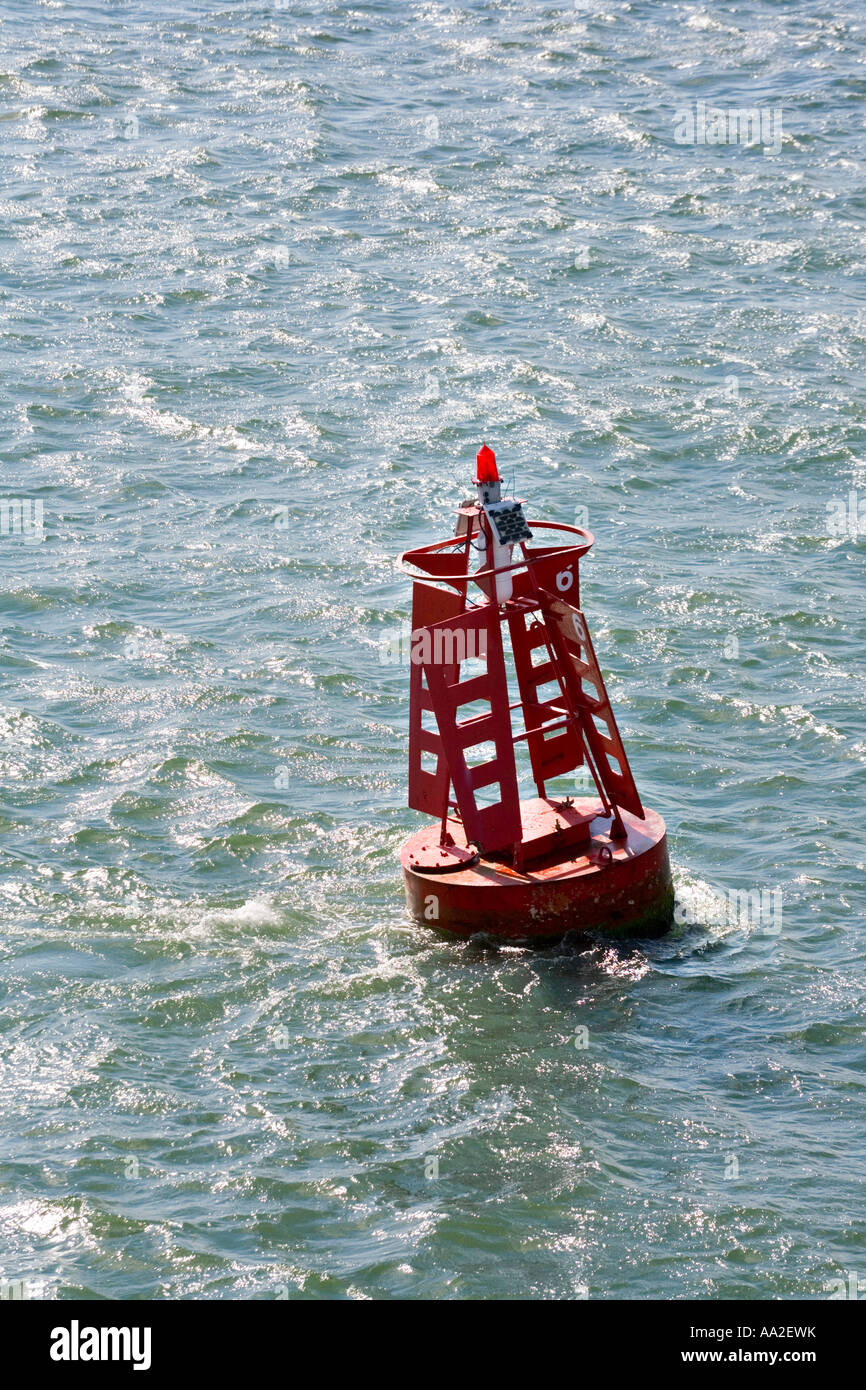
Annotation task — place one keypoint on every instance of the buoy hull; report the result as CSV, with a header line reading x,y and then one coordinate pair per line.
x,y
612,887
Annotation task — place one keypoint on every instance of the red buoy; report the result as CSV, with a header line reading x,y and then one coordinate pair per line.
x,y
492,863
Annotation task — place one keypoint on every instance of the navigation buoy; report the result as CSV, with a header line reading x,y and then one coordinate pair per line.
x,y
491,863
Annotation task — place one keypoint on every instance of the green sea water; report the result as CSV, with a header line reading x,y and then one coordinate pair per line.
x,y
268,275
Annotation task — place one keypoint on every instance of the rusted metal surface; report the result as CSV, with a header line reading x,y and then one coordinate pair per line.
x,y
600,886
429,856
551,826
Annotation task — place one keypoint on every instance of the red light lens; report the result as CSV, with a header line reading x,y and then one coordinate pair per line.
x,y
485,461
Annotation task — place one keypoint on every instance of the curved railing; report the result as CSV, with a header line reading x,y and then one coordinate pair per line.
x,y
573,551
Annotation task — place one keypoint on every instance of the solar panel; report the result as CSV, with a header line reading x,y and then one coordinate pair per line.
x,y
509,522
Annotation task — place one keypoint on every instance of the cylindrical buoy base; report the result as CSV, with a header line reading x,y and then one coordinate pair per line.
x,y
602,885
